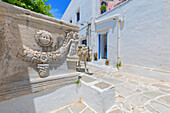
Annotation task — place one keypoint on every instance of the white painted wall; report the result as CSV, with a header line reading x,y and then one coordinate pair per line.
x,y
85,7
144,35
111,39
89,9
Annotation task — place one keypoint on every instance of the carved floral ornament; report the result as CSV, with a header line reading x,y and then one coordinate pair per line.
x,y
44,39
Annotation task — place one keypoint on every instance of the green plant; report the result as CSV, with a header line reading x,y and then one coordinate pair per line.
x,y
33,5
118,65
87,58
95,55
103,7
78,81
107,61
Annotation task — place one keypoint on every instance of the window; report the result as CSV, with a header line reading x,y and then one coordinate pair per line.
x,y
70,20
103,3
78,15
84,42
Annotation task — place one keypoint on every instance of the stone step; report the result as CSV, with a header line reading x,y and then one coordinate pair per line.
x,y
17,89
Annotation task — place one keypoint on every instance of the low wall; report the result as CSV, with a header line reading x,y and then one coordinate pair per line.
x,y
97,94
42,102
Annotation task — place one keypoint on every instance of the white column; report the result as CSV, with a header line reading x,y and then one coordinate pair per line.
x,y
118,43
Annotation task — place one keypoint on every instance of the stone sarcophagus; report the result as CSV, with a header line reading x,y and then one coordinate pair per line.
x,y
33,49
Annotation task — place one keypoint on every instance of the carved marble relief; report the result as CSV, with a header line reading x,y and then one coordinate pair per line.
x,y
42,69
43,58
43,38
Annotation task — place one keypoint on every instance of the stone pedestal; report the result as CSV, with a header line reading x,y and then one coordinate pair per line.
x,y
72,62
82,69
98,94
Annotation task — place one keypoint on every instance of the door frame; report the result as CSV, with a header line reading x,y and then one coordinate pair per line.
x,y
99,45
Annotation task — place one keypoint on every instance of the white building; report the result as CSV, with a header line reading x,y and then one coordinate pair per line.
x,y
144,46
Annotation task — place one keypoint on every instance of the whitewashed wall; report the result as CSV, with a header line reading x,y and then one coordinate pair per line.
x,y
144,40
85,7
89,9
145,36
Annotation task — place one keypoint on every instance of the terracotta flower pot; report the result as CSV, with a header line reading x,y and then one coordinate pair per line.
x,y
107,64
95,59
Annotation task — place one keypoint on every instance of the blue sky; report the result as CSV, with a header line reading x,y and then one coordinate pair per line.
x,y
58,7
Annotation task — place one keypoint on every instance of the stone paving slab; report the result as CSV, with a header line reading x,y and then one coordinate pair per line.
x,y
164,90
160,107
152,94
65,110
138,99
119,75
143,88
102,85
87,79
87,110
162,86
77,107
165,100
124,91
151,109
113,81
129,86
133,82
116,111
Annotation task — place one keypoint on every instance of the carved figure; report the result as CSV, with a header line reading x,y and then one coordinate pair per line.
x,y
43,38
75,36
83,54
72,51
90,54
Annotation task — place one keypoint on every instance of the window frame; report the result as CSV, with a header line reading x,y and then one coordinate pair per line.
x,y
77,11
71,20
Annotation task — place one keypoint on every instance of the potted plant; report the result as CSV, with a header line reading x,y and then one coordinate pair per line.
x,y
87,59
119,65
95,56
107,62
103,8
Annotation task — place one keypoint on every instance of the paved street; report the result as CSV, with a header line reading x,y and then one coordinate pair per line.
x,y
134,94
78,107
